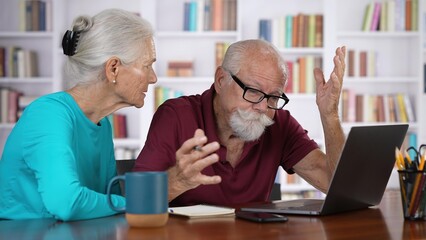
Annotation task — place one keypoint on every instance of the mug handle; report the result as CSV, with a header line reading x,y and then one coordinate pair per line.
x,y
116,178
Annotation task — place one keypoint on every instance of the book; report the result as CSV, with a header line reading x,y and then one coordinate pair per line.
x,y
309,75
232,12
359,111
319,30
193,16
200,15
401,115
345,105
296,77
186,14
180,68
383,21
265,26
368,17
4,105
217,15
288,31
301,30
302,74
376,16
392,109
202,211
414,15
295,30
311,30
12,111
289,85
409,108
351,105
371,63
275,32
393,19
380,109
207,14
351,63
2,62
362,63
397,22
408,15
305,31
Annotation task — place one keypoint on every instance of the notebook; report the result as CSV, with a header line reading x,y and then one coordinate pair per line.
x,y
360,178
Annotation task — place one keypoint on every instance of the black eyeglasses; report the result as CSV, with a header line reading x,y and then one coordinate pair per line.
x,y
256,96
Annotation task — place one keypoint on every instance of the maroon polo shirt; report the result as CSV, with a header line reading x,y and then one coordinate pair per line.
x,y
284,143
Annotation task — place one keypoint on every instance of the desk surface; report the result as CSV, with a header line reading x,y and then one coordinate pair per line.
x,y
383,222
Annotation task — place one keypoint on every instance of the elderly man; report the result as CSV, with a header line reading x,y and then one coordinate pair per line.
x,y
225,146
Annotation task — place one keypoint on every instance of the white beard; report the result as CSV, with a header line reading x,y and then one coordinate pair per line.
x,y
248,125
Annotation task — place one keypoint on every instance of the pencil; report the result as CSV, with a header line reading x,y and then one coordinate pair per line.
x,y
411,209
419,194
399,160
403,193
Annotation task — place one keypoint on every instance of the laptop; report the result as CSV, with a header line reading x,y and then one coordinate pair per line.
x,y
360,178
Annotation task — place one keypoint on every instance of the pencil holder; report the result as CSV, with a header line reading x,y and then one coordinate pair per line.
x,y
413,195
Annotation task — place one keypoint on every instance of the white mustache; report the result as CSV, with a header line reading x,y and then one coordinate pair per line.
x,y
248,125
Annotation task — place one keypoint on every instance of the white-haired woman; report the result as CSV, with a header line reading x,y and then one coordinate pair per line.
x,y
59,157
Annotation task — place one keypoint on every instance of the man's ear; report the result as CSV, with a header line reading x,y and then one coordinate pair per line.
x,y
111,68
219,79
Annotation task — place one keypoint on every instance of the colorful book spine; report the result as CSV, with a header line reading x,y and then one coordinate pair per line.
x,y
288,31
368,16
376,16
265,30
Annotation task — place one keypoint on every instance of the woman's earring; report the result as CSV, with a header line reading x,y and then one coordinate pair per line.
x,y
114,81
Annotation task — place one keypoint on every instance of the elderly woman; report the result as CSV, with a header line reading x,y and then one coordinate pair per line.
x,y
59,157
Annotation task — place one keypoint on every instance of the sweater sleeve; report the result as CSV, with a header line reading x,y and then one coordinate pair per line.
x,y
49,154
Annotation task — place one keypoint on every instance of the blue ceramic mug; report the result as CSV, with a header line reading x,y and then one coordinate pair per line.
x,y
146,198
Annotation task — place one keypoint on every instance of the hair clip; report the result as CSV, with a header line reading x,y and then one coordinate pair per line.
x,y
69,42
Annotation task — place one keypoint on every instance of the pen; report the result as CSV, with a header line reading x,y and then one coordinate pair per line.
x,y
197,148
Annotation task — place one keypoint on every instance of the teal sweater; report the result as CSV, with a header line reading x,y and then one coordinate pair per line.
x,y
56,163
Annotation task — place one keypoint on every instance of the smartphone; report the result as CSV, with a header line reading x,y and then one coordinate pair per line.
x,y
261,217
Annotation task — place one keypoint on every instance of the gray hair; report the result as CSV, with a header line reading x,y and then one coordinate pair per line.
x,y
240,53
112,32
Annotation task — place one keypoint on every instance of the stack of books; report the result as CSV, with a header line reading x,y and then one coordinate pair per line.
x,y
163,93
396,107
210,15
180,68
119,125
12,104
391,15
300,74
18,62
220,51
301,30
35,15
362,63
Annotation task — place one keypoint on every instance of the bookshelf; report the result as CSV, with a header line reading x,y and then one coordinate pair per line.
x,y
40,40
401,67
396,67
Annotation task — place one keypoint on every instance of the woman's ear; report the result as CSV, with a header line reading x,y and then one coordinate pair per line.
x,y
111,68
